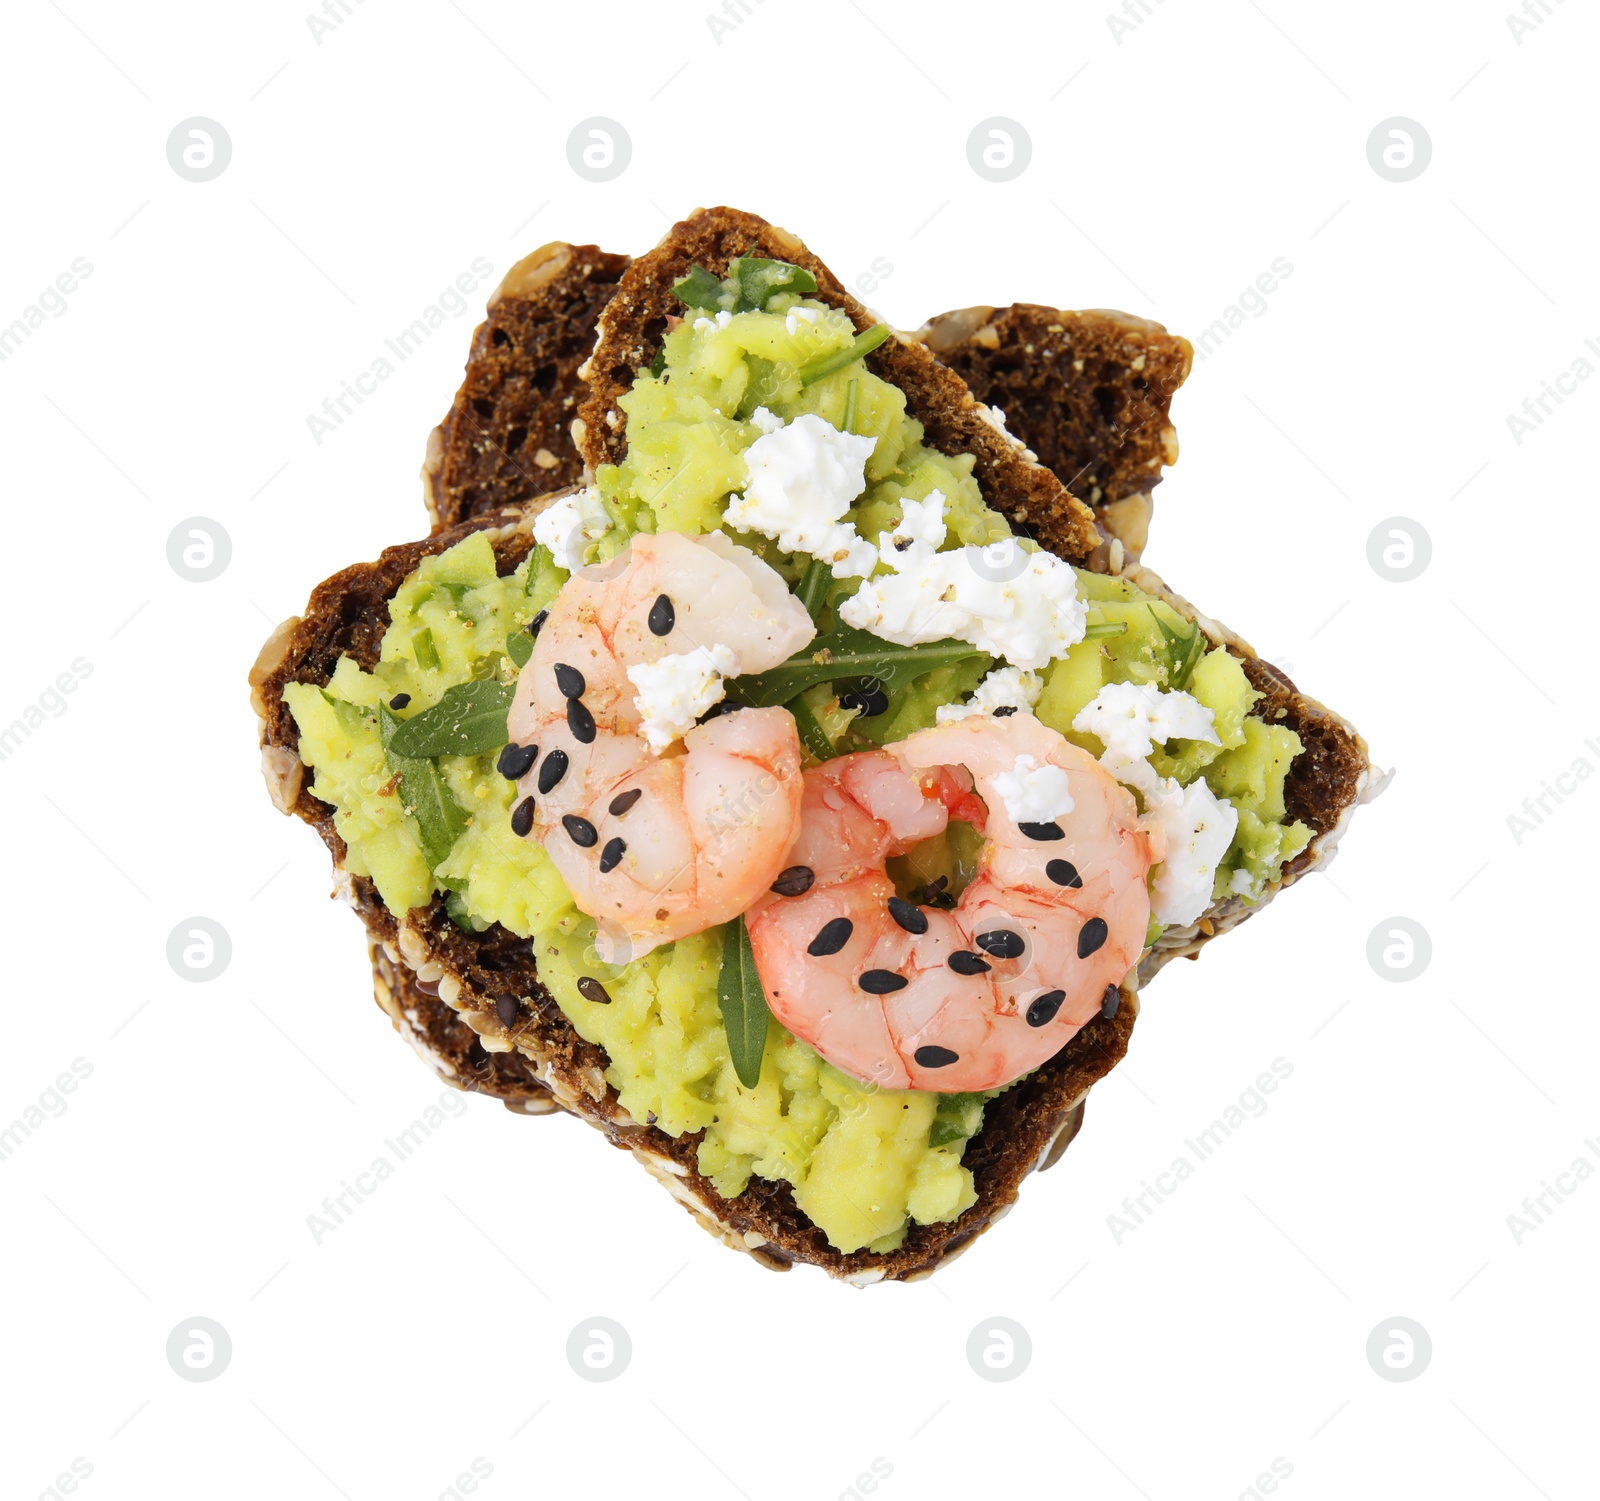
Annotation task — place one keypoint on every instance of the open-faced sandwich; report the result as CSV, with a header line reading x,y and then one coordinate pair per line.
x,y
802,795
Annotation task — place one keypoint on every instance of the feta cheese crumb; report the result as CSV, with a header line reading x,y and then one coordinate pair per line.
x,y
802,479
1020,605
765,421
1198,827
1033,793
1131,719
672,693
798,315
1004,688
570,526
704,324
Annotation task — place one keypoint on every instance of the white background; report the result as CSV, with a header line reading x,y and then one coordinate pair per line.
x,y
1169,168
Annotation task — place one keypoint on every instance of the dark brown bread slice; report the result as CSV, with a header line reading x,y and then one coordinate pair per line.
x,y
489,980
632,325
1089,392
508,435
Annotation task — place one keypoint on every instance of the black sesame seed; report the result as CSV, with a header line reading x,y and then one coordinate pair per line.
x,y
795,881
1063,873
1003,943
554,768
570,681
522,818
580,830
400,700
516,761
592,990
1044,1007
831,937
1005,711
965,962
624,800
537,621
506,1009
580,721
662,616
870,699
1091,935
912,918
1110,1001
882,981
932,1057
611,855
1043,831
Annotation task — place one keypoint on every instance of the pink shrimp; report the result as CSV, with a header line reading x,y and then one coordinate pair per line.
x,y
915,998
656,847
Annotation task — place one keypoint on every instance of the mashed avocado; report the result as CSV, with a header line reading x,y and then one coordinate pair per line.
x,y
863,1161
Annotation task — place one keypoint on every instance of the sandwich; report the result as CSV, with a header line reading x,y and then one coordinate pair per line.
x,y
926,775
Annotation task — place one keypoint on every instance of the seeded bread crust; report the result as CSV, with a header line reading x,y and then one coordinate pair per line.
x,y
508,434
633,323
489,981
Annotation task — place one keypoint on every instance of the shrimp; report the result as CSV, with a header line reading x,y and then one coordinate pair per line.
x,y
657,847
910,997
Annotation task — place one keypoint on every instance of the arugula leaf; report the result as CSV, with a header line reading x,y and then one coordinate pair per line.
x,y
1183,651
439,818
743,1003
812,590
470,720
760,279
825,364
519,647
812,735
699,289
847,653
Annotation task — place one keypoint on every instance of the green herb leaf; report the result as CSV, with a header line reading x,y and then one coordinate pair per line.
x,y
852,392
843,654
423,649
760,279
1183,651
812,591
825,364
1105,628
519,647
744,1004
439,818
470,720
812,735
699,289
659,363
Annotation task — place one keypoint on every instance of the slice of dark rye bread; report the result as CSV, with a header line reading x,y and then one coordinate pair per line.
x,y
508,434
489,981
1089,392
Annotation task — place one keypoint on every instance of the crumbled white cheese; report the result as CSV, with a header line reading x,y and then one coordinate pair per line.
x,y
1033,793
1242,883
570,526
1131,719
1020,605
798,315
704,324
996,418
802,479
1198,828
673,692
765,421
1004,688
